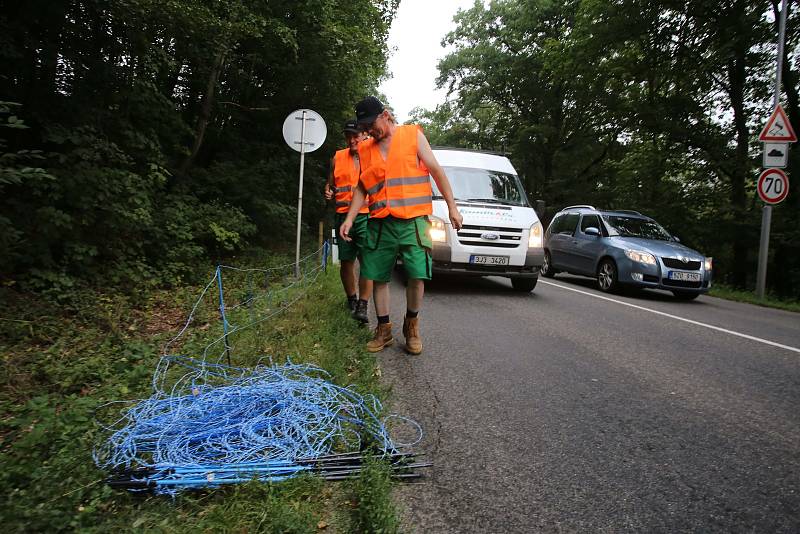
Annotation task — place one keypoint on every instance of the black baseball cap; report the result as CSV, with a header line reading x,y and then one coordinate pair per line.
x,y
368,110
351,126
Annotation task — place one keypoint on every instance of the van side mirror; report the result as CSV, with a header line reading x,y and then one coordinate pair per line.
x,y
592,231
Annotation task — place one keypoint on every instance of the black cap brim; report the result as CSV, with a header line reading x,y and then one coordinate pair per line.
x,y
366,121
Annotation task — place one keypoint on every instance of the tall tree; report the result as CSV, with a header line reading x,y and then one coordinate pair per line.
x,y
507,59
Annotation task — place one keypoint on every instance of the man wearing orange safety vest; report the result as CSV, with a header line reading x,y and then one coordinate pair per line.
x,y
342,180
396,166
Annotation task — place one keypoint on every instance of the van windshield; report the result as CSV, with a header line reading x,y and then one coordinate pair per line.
x,y
482,185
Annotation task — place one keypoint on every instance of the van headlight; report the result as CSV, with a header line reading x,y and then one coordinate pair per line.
x,y
708,263
641,257
535,236
438,231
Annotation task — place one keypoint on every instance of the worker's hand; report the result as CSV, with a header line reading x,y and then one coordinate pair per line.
x,y
455,218
344,230
328,192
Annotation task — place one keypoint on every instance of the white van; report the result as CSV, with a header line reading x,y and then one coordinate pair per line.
x,y
501,236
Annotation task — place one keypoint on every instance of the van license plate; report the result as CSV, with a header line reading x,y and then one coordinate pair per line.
x,y
488,260
686,277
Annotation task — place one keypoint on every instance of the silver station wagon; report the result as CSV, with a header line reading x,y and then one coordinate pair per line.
x,y
623,248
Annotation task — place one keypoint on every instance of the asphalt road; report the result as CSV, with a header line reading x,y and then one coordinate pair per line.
x,y
558,411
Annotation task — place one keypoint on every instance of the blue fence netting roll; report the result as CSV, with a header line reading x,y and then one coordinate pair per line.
x,y
210,423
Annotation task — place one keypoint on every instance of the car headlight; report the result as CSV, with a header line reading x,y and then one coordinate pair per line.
x,y
641,257
708,263
438,231
535,237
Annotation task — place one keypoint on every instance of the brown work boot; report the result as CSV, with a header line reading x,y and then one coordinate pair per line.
x,y
411,333
383,338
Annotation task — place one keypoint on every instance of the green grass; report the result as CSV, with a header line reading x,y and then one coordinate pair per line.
x,y
769,301
62,363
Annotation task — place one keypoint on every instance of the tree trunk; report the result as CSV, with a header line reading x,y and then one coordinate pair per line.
x,y
736,81
205,113
42,59
548,155
780,275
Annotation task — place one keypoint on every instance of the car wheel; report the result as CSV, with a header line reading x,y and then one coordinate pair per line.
x,y
686,295
607,276
547,266
524,285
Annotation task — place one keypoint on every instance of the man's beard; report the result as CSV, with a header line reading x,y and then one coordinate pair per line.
x,y
378,134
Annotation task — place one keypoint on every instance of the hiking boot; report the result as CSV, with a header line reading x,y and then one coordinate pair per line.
x,y
351,304
383,338
360,313
411,333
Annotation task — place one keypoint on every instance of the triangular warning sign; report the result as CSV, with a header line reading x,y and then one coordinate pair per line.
x,y
778,128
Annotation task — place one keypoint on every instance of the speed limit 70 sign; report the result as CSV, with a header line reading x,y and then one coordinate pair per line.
x,y
773,186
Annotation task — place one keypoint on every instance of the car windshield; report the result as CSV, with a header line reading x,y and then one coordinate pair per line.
x,y
635,227
482,185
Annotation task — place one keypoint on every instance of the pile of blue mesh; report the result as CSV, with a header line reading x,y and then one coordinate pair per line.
x,y
267,423
209,424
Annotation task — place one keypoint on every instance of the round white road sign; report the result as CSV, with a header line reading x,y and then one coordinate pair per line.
x,y
773,186
315,130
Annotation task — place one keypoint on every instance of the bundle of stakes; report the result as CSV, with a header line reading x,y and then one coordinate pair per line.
x,y
171,478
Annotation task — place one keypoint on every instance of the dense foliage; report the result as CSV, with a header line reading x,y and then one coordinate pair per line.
x,y
635,104
139,136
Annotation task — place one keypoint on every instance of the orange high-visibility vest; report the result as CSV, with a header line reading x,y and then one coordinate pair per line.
x,y
345,178
401,185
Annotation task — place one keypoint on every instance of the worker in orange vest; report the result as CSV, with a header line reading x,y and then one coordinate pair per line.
x,y
342,180
396,166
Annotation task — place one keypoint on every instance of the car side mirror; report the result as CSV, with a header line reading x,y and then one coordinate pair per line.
x,y
592,231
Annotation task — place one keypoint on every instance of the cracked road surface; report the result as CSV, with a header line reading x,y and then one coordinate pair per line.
x,y
559,412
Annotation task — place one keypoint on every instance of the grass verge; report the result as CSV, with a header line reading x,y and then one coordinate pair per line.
x,y
769,301
63,363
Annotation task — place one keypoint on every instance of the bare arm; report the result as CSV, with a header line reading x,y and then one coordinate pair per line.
x,y
329,185
425,154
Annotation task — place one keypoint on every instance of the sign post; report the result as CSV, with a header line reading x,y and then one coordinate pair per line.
x,y
777,130
304,130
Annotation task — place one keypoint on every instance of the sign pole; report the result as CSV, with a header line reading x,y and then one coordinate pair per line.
x,y
307,136
766,215
300,192
763,249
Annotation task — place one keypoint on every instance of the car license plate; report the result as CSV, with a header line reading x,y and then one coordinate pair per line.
x,y
488,260
686,277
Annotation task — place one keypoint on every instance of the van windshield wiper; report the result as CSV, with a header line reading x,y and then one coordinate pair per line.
x,y
492,201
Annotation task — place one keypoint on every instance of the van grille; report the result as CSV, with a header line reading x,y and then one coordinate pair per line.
x,y
508,237
675,263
